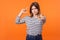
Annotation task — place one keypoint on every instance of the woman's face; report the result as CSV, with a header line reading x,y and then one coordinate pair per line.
x,y
34,10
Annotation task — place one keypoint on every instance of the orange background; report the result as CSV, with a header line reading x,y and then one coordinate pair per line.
x,y
9,9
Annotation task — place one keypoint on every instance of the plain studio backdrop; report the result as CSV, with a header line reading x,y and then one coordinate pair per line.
x,y
9,9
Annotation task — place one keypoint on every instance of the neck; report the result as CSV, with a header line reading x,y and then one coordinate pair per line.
x,y
35,15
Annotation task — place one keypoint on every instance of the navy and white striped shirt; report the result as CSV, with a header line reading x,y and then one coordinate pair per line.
x,y
34,26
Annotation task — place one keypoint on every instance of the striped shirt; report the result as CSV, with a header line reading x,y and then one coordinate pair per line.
x,y
34,26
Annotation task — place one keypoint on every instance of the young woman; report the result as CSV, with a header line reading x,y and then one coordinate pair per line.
x,y
34,22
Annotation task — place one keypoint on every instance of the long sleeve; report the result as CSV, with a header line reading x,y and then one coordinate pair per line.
x,y
19,20
44,19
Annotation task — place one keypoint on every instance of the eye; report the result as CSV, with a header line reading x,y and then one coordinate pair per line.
x,y
35,8
31,9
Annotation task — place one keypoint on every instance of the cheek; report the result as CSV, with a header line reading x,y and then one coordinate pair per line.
x,y
32,11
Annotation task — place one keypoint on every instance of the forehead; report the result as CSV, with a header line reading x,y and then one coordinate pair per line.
x,y
33,7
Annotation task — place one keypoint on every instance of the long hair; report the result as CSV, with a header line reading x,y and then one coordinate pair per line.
x,y
37,6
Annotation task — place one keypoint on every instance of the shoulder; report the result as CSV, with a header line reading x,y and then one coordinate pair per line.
x,y
26,17
42,16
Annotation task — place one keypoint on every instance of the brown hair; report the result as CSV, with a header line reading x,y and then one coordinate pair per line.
x,y
37,6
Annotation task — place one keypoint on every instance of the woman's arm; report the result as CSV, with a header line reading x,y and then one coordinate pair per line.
x,y
43,18
18,18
